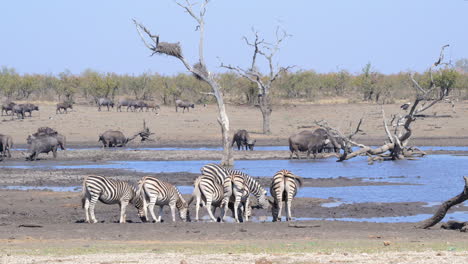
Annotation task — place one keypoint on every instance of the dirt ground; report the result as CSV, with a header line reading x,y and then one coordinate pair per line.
x,y
46,227
199,127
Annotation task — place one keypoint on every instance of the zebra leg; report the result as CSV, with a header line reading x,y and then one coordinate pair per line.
x,y
236,206
246,210
86,208
123,207
173,209
197,207
160,213
92,204
210,208
288,210
279,199
151,204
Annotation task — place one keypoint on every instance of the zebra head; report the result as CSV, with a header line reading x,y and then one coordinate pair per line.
x,y
184,211
262,199
138,202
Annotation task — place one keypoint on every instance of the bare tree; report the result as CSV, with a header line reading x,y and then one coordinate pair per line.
x,y
396,147
264,83
199,69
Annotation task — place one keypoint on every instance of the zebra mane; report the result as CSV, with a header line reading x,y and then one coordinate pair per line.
x,y
180,201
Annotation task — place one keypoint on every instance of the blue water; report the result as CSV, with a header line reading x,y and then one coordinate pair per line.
x,y
457,216
432,179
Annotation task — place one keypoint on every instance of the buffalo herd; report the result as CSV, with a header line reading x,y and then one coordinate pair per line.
x,y
47,140
19,110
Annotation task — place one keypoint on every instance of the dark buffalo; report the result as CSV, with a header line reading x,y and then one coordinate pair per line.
x,y
6,143
43,144
47,131
28,108
18,110
129,103
63,106
152,105
105,102
243,140
140,105
8,107
184,105
307,141
113,138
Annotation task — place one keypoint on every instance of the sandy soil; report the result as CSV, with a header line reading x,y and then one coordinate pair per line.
x,y
199,126
49,224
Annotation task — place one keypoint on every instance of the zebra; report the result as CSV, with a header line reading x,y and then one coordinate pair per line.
x,y
283,187
108,191
218,174
157,192
208,194
235,187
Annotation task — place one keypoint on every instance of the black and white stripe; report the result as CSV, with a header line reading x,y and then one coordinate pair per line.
x,y
108,191
219,174
236,191
284,187
209,193
156,192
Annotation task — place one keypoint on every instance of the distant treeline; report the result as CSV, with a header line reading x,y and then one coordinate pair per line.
x,y
307,86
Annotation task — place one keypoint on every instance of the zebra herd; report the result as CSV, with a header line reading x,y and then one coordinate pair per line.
x,y
216,187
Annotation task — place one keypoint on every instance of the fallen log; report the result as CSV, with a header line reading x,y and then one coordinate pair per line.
x,y
444,207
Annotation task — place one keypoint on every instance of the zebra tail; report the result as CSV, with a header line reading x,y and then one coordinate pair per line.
x,y
297,178
196,190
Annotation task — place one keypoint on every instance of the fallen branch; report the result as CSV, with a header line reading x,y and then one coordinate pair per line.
x,y
443,208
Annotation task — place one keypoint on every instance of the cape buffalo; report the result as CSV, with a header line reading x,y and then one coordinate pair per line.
x,y
243,140
43,144
64,106
6,143
307,141
106,102
113,138
184,105
125,102
8,107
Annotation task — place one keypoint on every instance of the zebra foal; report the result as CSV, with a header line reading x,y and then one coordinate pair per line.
x,y
283,187
108,191
156,192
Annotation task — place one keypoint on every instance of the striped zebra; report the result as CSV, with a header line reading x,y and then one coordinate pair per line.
x,y
108,191
218,174
157,192
209,194
283,187
236,190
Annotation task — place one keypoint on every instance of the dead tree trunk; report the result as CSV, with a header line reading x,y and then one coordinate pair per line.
x,y
265,108
198,69
396,147
443,208
264,83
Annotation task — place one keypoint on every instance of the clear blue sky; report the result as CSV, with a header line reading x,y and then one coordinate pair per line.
x,y
49,36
